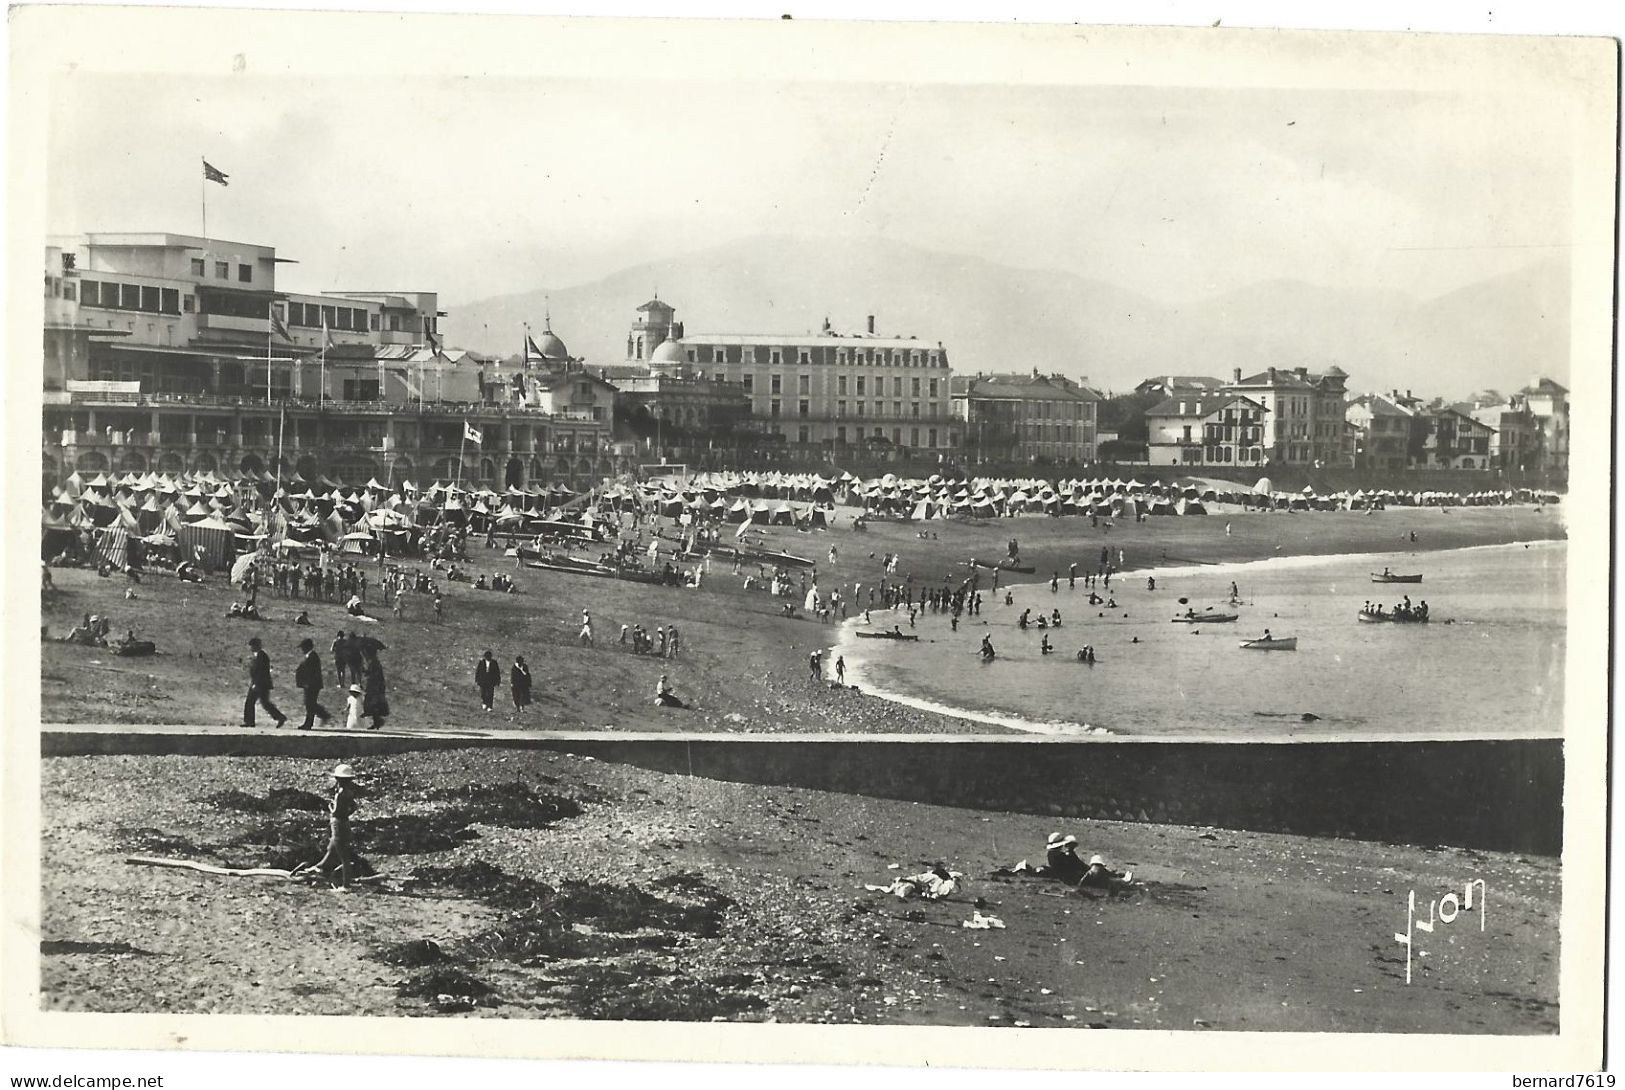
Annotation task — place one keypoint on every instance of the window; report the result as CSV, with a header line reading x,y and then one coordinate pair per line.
x,y
897,408
197,266
914,409
840,435
774,384
840,384
803,434
803,407
931,437
749,381
719,355
68,290
245,273
860,409
129,297
394,323
933,392
375,323
171,301
804,356
773,408
775,357
860,385
897,386
914,387
189,304
92,293
222,270
840,408
897,436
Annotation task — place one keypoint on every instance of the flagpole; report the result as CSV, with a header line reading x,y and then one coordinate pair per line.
x,y
270,313
203,194
461,448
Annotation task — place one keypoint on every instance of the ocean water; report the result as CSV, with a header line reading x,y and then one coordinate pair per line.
x,y
1491,661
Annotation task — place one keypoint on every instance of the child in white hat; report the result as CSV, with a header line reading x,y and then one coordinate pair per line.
x,y
352,708
346,793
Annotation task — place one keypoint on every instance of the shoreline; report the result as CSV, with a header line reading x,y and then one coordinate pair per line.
x,y
859,666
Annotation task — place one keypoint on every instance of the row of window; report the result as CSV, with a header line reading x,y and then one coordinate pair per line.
x,y
885,357
222,270
861,385
804,436
860,408
111,295
312,315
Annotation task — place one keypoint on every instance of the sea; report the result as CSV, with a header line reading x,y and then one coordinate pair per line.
x,y
1489,663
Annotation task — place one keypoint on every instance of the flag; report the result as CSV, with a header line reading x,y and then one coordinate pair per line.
x,y
472,434
214,174
278,328
327,335
532,350
434,342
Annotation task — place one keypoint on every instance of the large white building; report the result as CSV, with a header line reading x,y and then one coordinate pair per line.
x,y
823,391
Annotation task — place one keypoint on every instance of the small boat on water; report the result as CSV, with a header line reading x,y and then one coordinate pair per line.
x,y
1207,618
1367,617
893,635
1274,643
1390,577
1019,569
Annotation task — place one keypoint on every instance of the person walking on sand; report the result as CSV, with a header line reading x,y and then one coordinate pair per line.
x,y
487,675
375,703
840,669
815,666
259,685
341,657
519,680
308,677
339,857
586,629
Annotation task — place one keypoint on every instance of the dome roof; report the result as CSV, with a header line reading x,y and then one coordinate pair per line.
x,y
669,351
552,348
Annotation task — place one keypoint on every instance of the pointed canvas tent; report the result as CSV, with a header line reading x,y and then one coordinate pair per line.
x,y
213,535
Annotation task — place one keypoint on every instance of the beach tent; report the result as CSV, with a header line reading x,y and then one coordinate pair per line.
x,y
213,535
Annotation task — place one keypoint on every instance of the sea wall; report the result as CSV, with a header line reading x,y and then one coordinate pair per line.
x,y
1494,794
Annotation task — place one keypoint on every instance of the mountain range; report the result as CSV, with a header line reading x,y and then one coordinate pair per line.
x,y
1500,332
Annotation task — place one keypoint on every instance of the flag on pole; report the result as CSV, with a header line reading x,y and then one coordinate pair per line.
x,y
473,434
278,328
428,334
214,174
327,335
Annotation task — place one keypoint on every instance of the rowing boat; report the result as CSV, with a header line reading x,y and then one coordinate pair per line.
x,y
1389,618
1019,569
1277,643
887,636
1390,577
1208,618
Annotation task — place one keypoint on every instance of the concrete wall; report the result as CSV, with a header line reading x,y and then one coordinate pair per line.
x,y
1496,794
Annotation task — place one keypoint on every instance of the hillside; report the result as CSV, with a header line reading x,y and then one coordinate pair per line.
x,y
1499,332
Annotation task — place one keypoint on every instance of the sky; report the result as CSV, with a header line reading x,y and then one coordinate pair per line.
x,y
486,184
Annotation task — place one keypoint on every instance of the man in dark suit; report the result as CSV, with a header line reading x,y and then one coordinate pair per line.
x,y
259,685
487,675
309,678
341,657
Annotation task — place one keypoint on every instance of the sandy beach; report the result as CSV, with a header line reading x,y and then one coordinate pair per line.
x,y
534,885
743,665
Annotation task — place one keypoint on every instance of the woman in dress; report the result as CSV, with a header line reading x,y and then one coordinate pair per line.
x,y
519,678
374,703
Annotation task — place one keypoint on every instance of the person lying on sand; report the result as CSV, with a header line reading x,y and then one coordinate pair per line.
x,y
931,885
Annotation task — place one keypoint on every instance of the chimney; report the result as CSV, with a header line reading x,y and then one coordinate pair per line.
x,y
1302,372
871,325
1272,376
1237,378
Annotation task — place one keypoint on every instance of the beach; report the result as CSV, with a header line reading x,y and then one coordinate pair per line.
x,y
536,885
743,664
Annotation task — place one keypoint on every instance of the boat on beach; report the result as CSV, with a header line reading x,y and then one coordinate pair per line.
x,y
1391,577
1274,643
1019,569
602,571
887,636
1369,617
1210,617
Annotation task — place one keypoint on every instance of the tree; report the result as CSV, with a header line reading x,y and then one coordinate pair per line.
x,y
1125,414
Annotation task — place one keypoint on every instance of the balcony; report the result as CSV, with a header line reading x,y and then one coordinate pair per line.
x,y
230,323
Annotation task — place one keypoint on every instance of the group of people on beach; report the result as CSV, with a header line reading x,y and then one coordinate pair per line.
x,y
488,678
354,655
